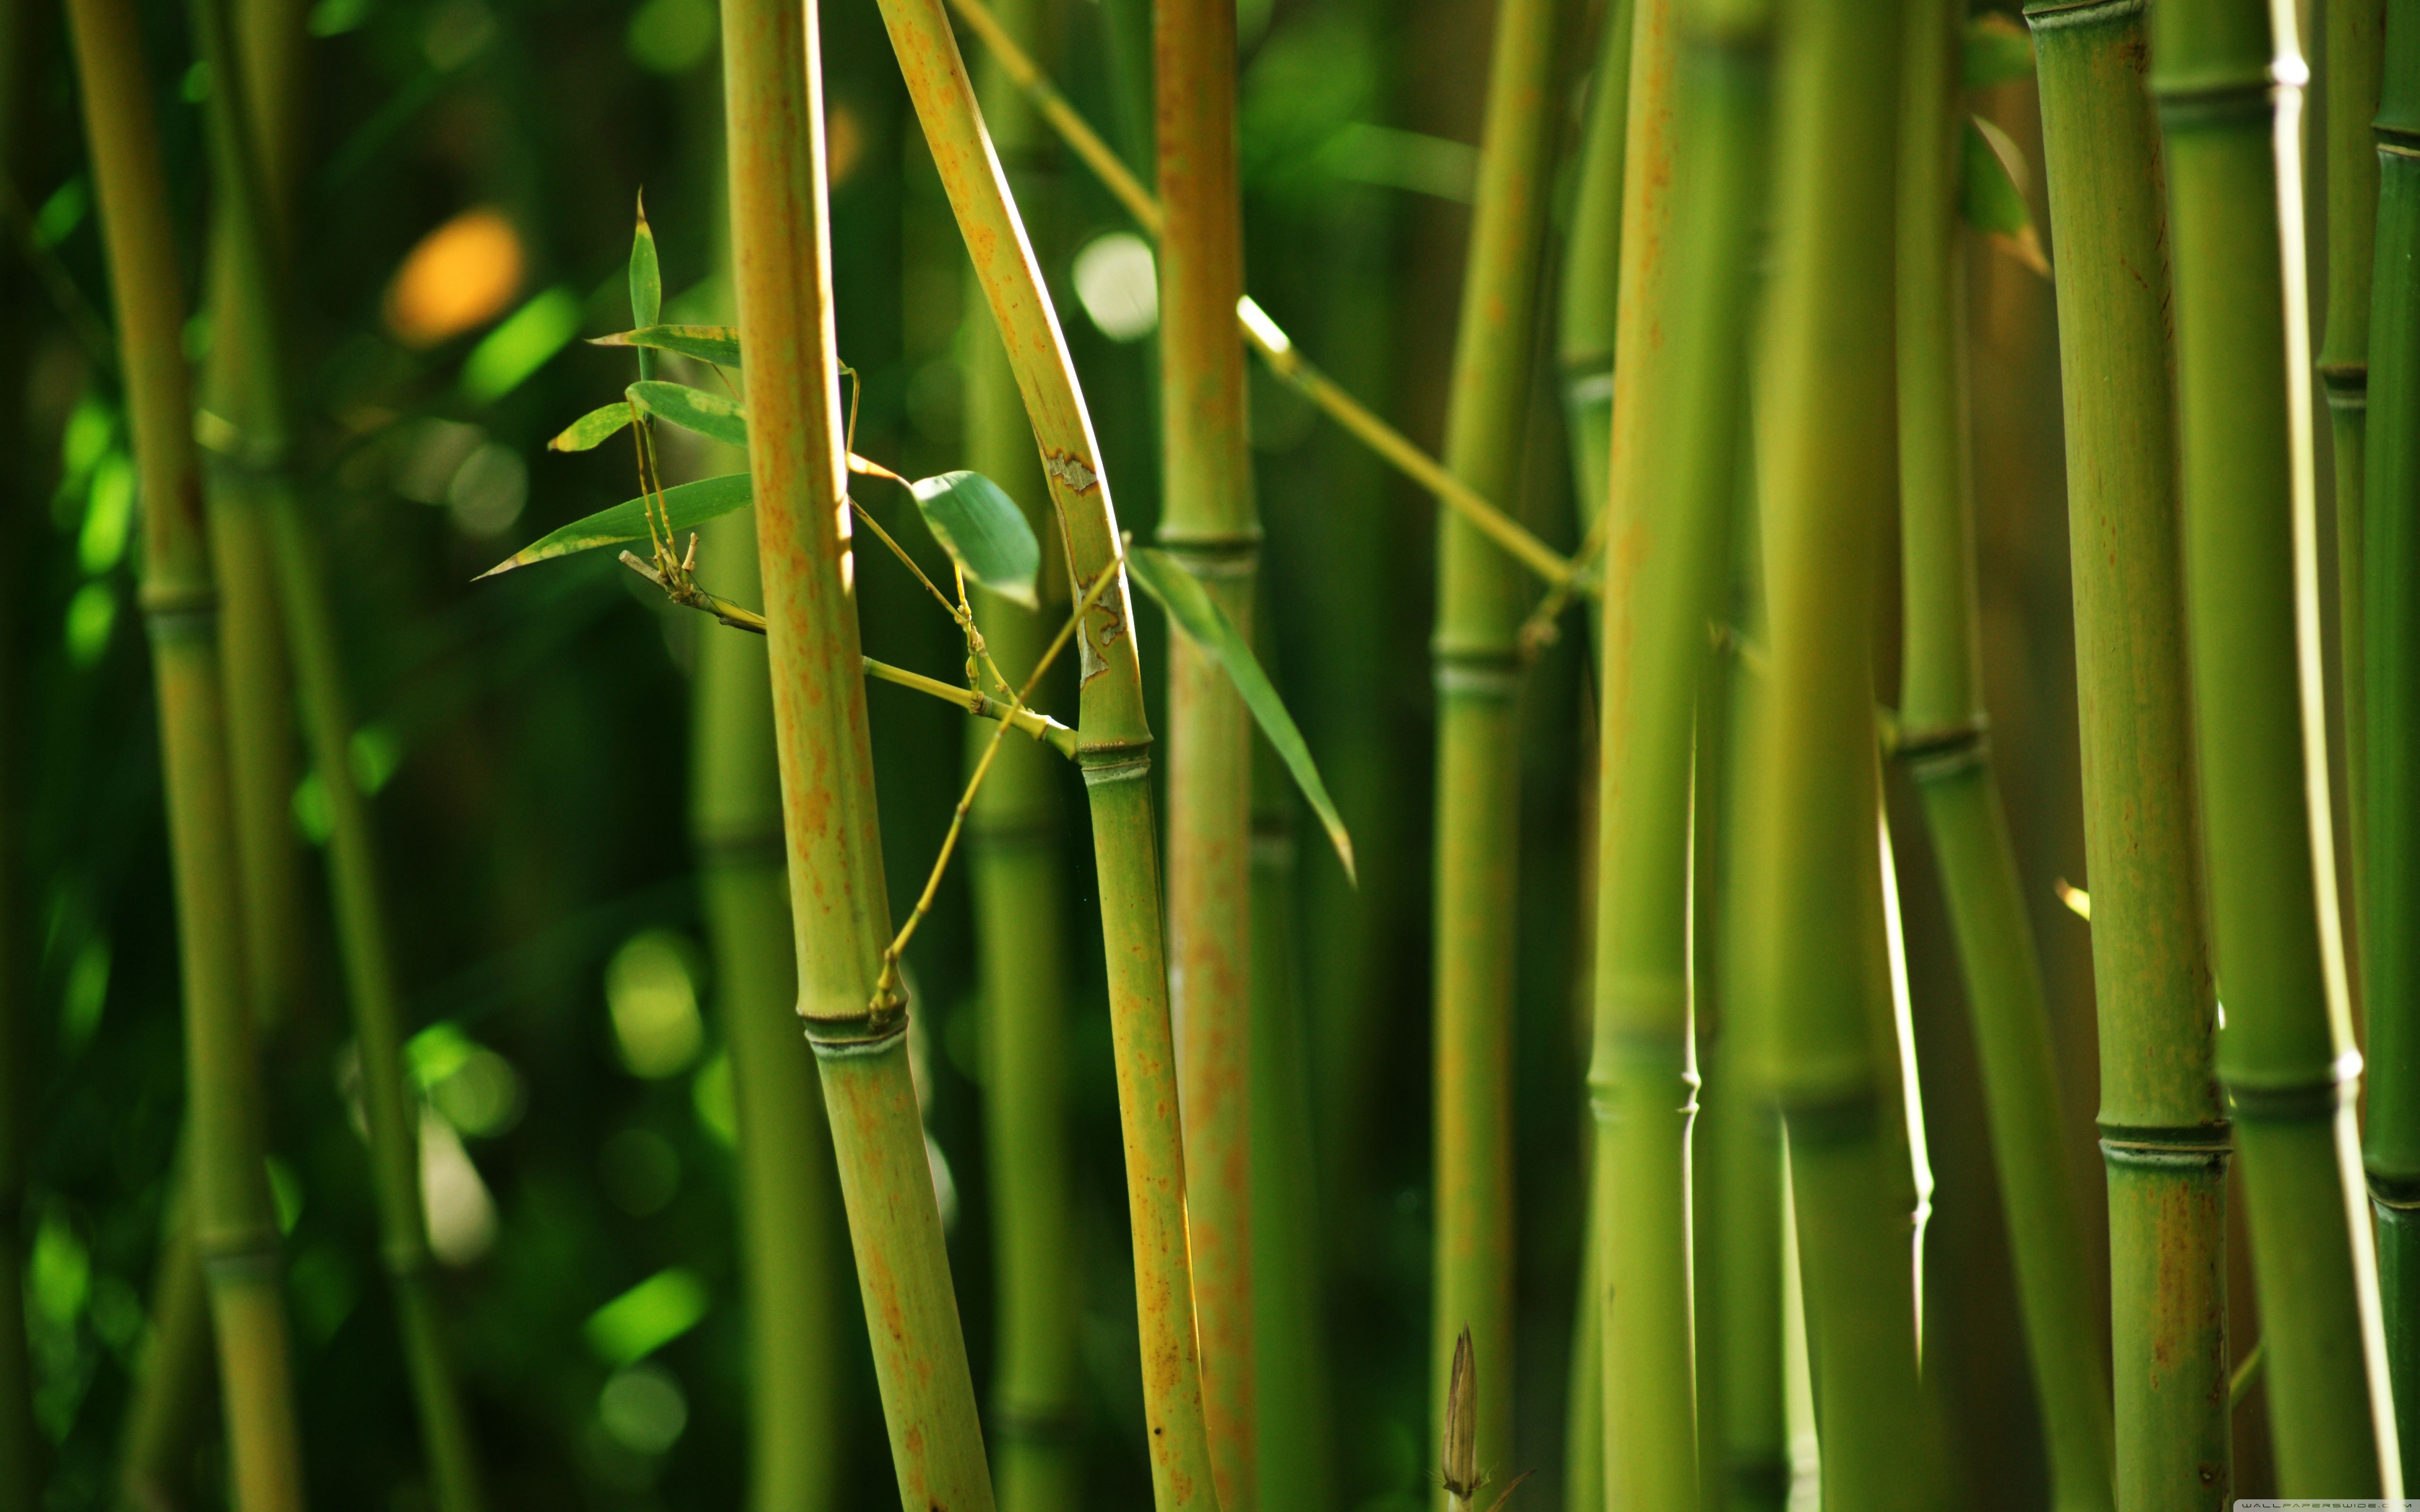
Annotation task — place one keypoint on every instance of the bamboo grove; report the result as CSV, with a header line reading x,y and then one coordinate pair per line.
x,y
1268,754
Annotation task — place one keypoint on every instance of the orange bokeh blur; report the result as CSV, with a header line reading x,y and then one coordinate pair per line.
x,y
460,276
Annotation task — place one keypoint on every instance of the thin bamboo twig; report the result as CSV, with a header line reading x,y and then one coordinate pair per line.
x,y
235,1231
2164,1140
1476,655
1265,335
1209,521
1944,743
781,256
1113,743
2227,76
1813,987
2391,827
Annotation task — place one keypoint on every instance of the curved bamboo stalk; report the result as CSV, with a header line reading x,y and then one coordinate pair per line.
x,y
781,256
1018,874
250,437
1693,187
2163,1124
2391,1148
1476,652
1943,740
1813,985
1208,519
1113,743
234,1230
2229,103
792,1267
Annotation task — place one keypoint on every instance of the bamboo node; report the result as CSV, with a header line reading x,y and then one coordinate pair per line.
x,y
869,1033
1115,764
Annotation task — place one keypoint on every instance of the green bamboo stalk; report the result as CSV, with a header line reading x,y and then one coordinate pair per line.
x,y
165,1419
235,1231
2229,93
1691,189
1113,743
1018,874
1476,654
2163,1124
781,259
2392,980
1744,1417
1296,1456
792,1270
1944,741
1208,519
1586,312
247,432
2353,48
1813,985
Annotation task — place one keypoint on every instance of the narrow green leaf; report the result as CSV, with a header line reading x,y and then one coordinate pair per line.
x,y
1206,625
689,505
1998,51
592,428
647,277
980,526
712,415
719,345
1991,193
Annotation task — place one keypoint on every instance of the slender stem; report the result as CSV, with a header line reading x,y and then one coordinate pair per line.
x,y
1943,743
234,1229
1208,519
1263,335
2391,829
2162,1123
1587,314
1476,655
1813,990
163,1420
2227,89
781,256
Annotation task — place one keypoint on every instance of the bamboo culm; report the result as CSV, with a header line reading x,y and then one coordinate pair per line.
x,y
234,1229
1016,866
1586,312
247,462
1476,655
2391,1148
2228,97
781,256
1209,522
1813,986
1944,741
2164,1132
1113,743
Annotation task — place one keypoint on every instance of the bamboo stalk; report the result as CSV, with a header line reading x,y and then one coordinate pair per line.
x,y
234,1230
249,439
2352,48
792,1268
1693,185
1944,741
1263,333
1113,743
1813,987
20,33
1476,654
2391,978
780,254
1586,316
2163,1124
1208,519
1018,874
2229,103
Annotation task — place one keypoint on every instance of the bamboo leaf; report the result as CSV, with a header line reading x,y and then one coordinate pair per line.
x,y
711,415
592,428
647,275
1998,51
1991,193
718,345
688,505
1207,626
984,531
